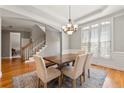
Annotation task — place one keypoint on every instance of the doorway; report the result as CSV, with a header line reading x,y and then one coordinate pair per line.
x,y
15,45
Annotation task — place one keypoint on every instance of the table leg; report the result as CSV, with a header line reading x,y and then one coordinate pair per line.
x,y
73,63
60,66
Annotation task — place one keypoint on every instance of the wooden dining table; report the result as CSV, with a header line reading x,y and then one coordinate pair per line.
x,y
60,60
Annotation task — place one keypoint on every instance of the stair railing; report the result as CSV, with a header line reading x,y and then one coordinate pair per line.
x,y
32,48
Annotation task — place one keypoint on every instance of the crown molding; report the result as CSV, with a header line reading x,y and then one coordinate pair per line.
x,y
32,16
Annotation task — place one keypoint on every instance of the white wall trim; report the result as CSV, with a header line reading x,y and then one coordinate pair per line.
x,y
112,34
70,51
113,30
118,14
119,53
115,62
6,57
109,66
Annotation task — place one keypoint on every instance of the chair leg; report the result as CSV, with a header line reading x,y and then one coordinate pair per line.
x,y
74,83
88,73
81,79
39,84
45,85
84,76
59,82
62,78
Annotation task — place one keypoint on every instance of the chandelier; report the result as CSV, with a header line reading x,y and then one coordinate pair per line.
x,y
70,28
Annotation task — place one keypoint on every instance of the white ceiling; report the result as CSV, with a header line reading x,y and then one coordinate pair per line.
x,y
55,15
17,24
76,10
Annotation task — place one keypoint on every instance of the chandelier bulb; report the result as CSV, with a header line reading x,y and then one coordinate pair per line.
x,y
70,28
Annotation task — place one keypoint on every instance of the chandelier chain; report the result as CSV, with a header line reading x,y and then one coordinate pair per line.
x,y
69,12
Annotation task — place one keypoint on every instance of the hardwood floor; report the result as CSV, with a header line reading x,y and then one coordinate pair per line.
x,y
14,67
11,68
114,79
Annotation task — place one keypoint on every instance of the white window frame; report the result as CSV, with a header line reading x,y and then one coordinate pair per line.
x,y
99,33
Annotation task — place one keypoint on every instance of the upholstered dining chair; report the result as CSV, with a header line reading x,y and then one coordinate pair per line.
x,y
87,65
78,53
75,71
46,74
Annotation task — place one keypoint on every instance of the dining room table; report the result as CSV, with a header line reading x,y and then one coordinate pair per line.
x,y
61,60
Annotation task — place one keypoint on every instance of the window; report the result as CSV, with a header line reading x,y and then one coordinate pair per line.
x,y
96,39
85,39
105,40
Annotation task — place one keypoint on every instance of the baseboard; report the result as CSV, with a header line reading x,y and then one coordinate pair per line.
x,y
10,57
110,63
109,66
0,74
6,57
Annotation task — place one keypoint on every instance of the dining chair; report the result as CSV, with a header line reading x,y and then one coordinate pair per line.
x,y
79,53
75,71
87,65
46,74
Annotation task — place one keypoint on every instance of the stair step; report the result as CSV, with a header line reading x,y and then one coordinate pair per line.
x,y
36,51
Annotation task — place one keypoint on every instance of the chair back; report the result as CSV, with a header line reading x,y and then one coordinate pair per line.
x,y
88,61
40,68
79,64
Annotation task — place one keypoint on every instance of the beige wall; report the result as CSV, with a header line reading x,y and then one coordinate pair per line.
x,y
6,41
53,42
75,40
65,41
37,32
118,34
70,42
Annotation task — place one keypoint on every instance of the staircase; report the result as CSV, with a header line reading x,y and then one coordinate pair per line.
x,y
33,48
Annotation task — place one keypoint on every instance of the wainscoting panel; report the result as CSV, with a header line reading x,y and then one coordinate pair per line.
x,y
115,62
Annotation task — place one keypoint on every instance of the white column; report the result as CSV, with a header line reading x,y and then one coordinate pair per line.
x,y
61,44
0,49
